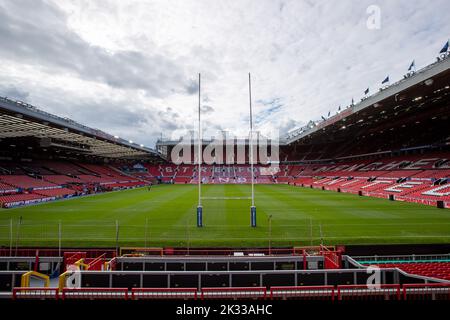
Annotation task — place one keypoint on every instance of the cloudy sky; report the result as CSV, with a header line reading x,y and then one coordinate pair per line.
x,y
130,67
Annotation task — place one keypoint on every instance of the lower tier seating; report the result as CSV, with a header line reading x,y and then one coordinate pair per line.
x,y
439,270
420,178
19,199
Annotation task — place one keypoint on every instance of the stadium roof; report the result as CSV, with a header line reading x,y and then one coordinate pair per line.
x,y
420,95
412,85
22,120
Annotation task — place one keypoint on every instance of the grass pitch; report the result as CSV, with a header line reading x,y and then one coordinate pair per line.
x,y
166,216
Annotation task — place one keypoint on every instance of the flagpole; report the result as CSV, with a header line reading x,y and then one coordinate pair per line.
x,y
252,208
199,158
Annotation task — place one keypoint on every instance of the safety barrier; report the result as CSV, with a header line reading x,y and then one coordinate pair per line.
x,y
96,263
110,265
430,291
136,251
332,258
25,279
35,293
426,291
164,293
363,292
95,293
234,293
302,293
70,258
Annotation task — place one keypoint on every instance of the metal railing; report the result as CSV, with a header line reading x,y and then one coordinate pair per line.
x,y
339,293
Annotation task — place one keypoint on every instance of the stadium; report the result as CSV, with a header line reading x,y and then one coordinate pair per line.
x,y
354,206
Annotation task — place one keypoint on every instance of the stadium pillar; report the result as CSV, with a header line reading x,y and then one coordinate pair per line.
x,y
199,216
253,216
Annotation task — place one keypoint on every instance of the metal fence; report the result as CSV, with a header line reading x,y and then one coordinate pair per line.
x,y
21,233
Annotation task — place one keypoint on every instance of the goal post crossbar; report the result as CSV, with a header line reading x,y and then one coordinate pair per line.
x,y
226,198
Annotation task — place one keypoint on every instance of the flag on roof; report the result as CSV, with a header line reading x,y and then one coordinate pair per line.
x,y
412,65
385,80
367,91
445,48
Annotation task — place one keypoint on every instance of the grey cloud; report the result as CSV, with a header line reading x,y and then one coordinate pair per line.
x,y
211,129
43,38
169,120
328,56
168,113
11,91
116,118
289,125
207,109
107,115
192,87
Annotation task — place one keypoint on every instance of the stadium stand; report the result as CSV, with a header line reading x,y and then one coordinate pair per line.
x,y
62,167
374,166
26,182
57,193
421,179
440,270
21,199
61,179
393,145
6,188
301,275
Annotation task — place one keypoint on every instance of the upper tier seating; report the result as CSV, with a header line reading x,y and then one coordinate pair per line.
x,y
6,188
106,172
61,180
26,182
58,192
10,168
182,180
185,171
143,176
153,170
64,168
85,178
